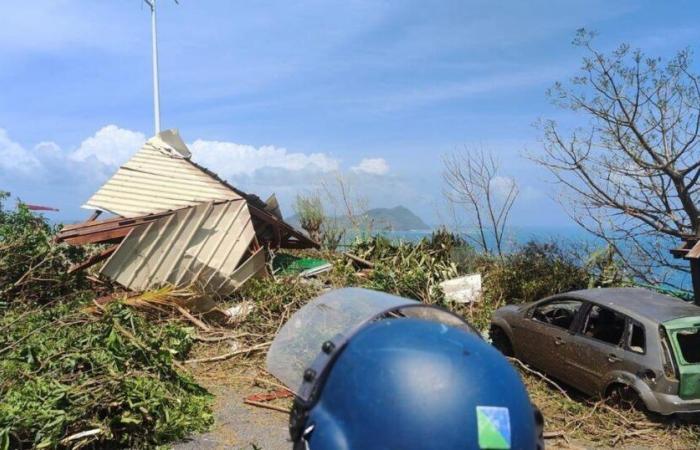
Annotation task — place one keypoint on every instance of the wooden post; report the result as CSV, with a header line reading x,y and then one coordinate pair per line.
x,y
695,274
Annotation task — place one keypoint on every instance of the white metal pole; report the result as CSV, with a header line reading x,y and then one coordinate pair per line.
x,y
156,87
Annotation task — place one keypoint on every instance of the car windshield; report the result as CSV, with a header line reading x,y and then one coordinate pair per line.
x,y
560,313
689,344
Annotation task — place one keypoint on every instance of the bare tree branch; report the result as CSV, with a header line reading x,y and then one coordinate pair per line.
x,y
630,176
472,182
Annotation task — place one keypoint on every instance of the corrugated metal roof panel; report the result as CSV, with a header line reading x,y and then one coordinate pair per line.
x,y
201,245
157,178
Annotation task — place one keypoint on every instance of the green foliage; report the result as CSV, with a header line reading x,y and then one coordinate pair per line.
x,y
606,269
32,266
331,234
64,371
311,215
535,271
412,269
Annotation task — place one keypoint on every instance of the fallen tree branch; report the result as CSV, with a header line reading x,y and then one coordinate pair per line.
x,y
359,260
203,326
227,337
229,355
553,434
541,375
266,406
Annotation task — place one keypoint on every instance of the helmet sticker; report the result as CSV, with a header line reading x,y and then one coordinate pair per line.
x,y
493,424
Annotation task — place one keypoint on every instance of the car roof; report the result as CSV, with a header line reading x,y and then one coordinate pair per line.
x,y
636,303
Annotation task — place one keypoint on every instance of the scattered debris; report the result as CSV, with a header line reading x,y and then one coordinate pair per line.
x,y
94,259
266,406
40,208
361,261
285,264
273,207
240,311
466,289
269,396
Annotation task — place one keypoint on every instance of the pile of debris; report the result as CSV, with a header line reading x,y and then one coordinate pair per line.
x,y
176,223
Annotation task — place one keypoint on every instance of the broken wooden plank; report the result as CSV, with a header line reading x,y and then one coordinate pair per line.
x,y
94,259
361,261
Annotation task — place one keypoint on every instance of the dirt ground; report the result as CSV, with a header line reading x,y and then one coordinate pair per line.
x,y
239,426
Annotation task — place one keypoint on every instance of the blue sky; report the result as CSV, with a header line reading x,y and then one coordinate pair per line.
x,y
277,95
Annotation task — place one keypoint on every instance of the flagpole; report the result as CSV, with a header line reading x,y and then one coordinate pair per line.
x,y
156,84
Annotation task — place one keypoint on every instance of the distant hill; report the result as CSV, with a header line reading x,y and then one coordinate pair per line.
x,y
399,218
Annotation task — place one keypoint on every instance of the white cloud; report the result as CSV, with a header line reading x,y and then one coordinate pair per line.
x,y
230,159
373,166
502,186
111,146
14,157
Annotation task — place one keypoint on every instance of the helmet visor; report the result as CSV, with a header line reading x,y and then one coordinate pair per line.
x,y
336,316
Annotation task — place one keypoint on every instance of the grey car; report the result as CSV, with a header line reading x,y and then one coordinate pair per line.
x,y
627,343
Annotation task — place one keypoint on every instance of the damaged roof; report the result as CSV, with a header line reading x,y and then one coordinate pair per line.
x,y
201,245
159,177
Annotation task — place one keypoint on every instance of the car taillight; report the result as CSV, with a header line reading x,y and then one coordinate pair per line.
x,y
669,362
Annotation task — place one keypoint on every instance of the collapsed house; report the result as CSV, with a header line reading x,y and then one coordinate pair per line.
x,y
176,223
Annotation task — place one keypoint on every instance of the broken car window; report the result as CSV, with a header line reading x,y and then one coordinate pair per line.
x,y
605,325
637,341
559,313
689,342
669,362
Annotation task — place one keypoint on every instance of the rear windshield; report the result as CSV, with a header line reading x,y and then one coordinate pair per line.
x,y
689,344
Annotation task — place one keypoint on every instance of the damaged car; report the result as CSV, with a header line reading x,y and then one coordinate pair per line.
x,y
632,345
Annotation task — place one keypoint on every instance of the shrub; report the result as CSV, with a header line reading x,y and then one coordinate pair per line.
x,y
32,266
311,216
411,269
534,271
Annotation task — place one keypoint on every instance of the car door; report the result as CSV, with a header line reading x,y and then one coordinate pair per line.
x,y
597,347
545,334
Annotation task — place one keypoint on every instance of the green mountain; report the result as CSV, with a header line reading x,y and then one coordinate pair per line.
x,y
399,218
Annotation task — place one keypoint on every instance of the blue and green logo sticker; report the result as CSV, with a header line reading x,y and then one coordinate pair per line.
x,y
493,423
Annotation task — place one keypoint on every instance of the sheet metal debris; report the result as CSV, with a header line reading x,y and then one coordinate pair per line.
x,y
240,311
179,224
200,245
466,289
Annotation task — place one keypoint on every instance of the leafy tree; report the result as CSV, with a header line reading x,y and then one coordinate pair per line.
x,y
311,215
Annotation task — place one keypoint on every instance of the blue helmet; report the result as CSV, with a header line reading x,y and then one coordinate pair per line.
x,y
406,377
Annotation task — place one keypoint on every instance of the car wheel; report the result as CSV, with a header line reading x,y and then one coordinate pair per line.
x,y
624,397
500,340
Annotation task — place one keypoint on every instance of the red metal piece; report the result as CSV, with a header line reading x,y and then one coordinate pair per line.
x,y
39,207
